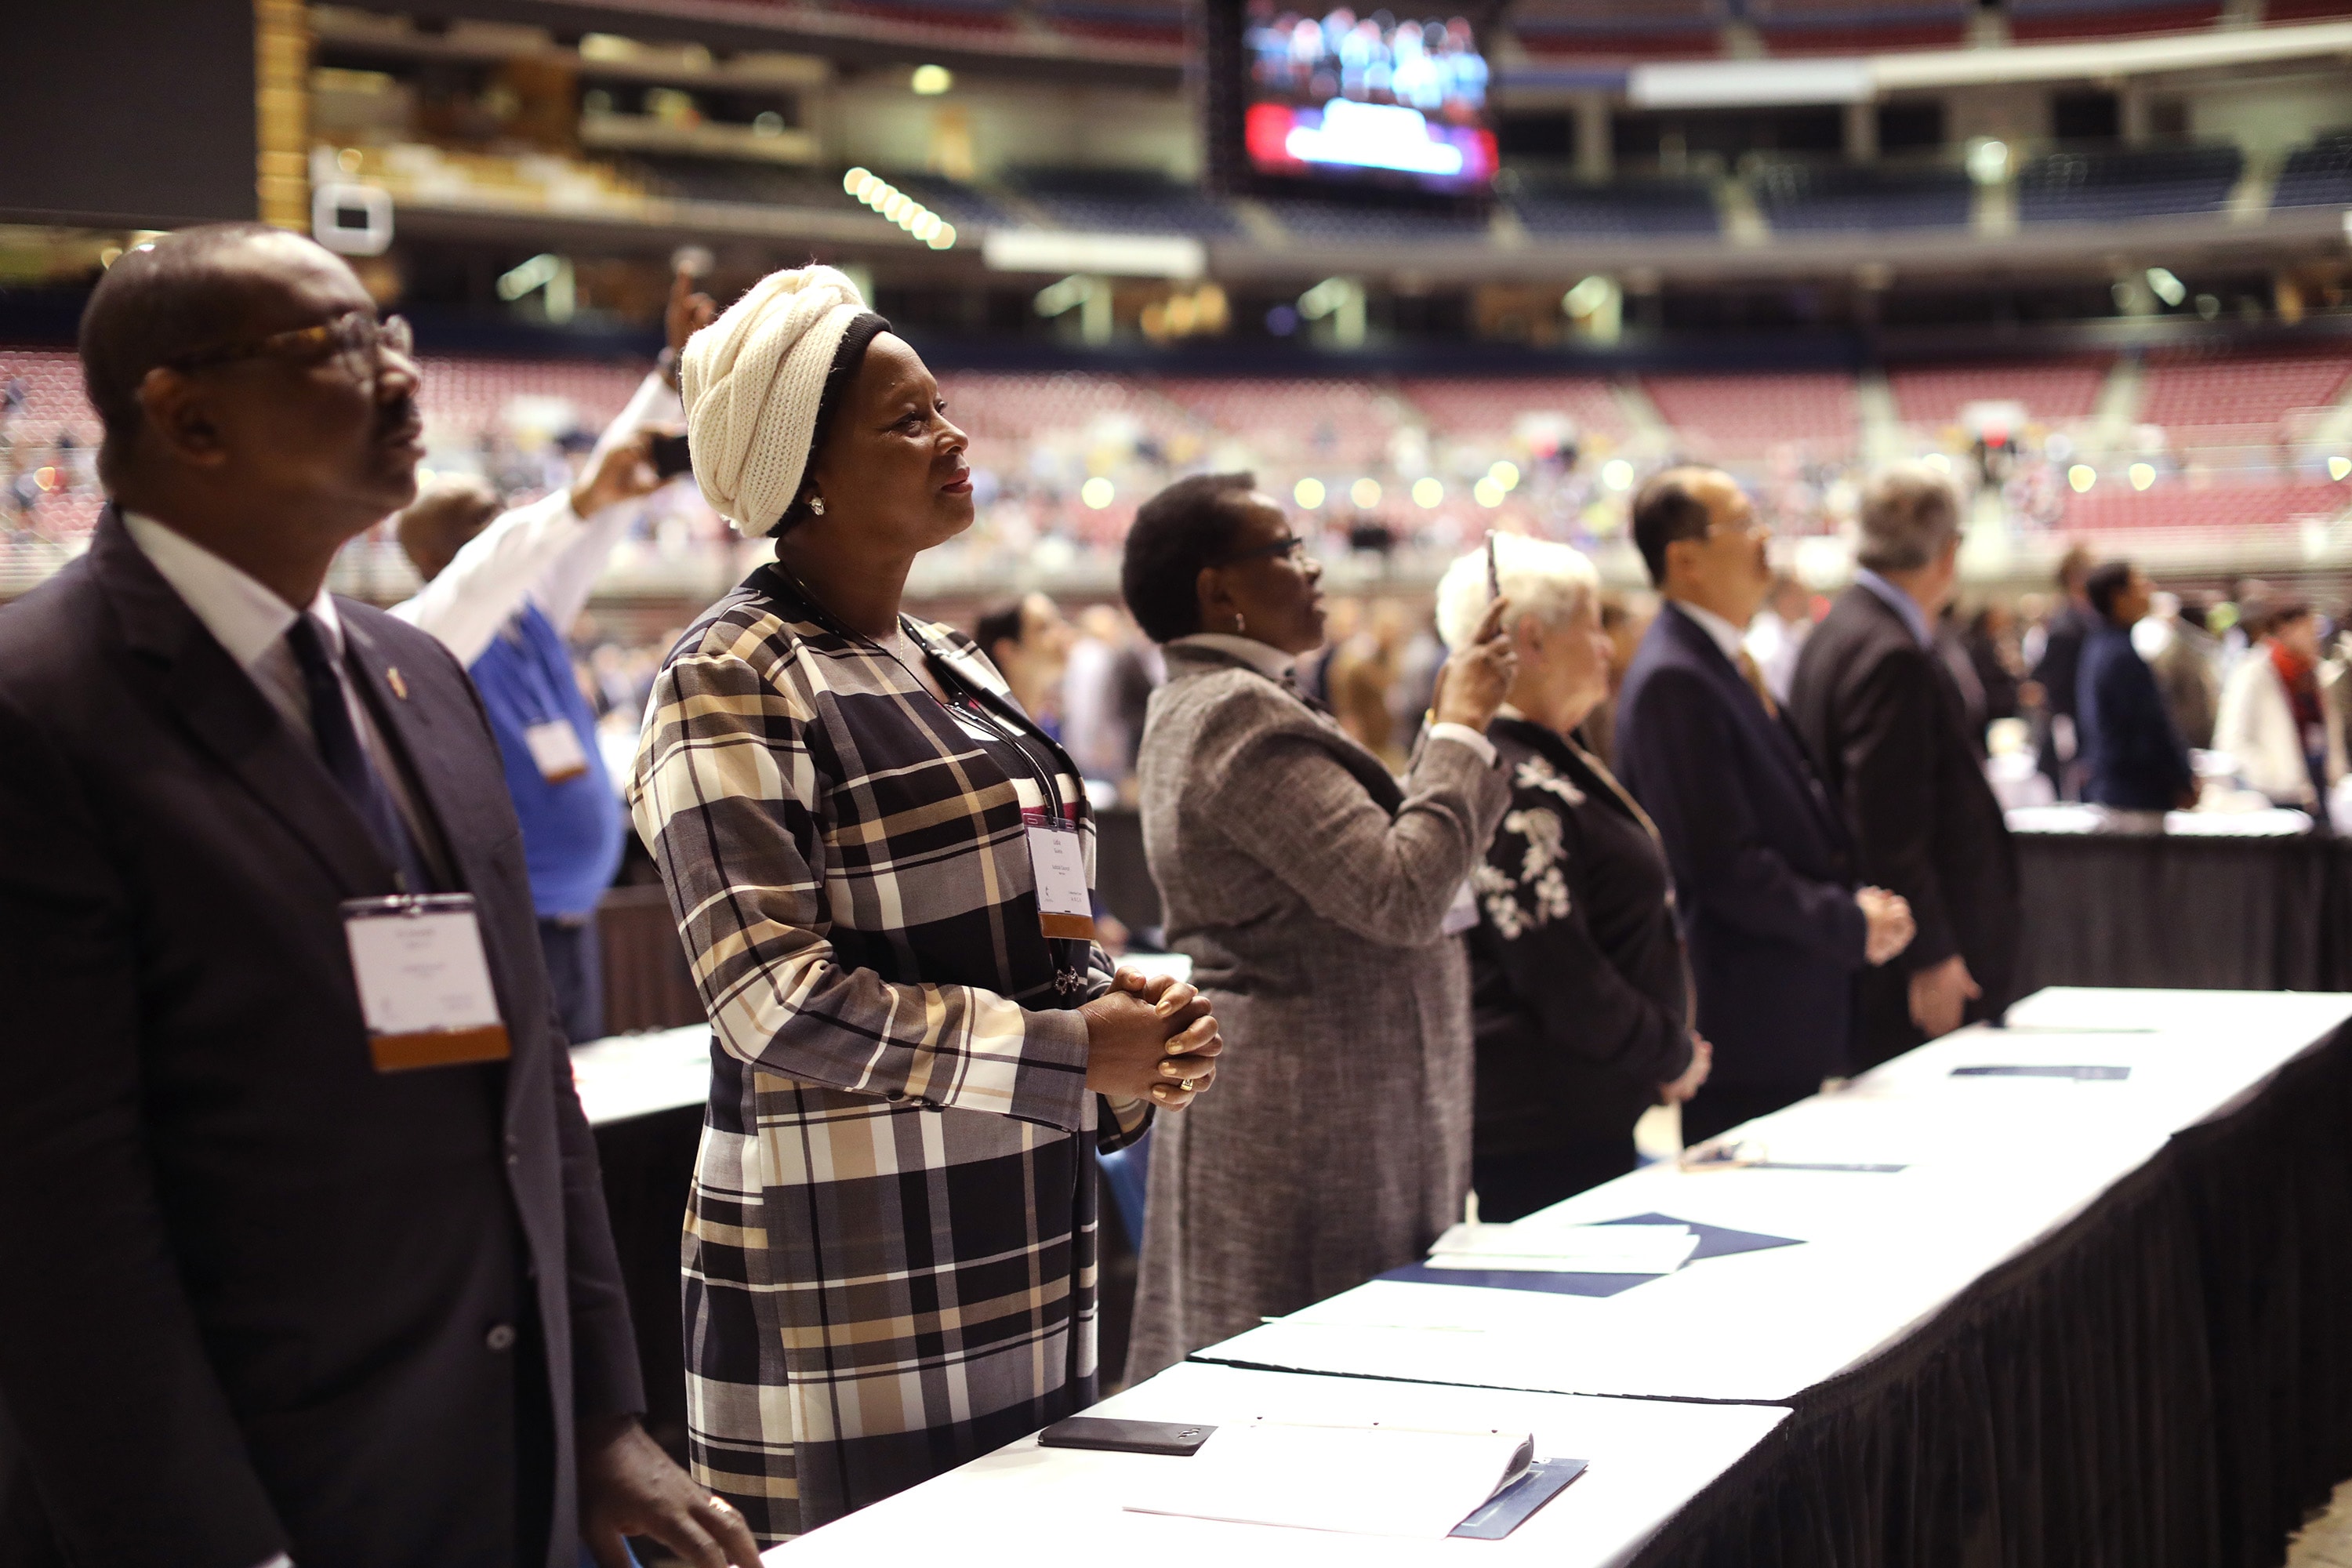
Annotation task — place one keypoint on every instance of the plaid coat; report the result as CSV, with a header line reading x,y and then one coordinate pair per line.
x,y
890,1250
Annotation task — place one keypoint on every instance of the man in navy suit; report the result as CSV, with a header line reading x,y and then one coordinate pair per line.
x,y
282,1288
2138,764
1762,864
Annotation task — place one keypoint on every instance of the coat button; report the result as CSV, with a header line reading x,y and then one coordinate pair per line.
x,y
501,1339
514,1150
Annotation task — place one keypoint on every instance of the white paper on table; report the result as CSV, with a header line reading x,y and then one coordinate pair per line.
x,y
1368,1480
1567,1248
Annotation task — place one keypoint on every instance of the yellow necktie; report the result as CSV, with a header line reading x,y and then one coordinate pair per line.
x,y
1754,674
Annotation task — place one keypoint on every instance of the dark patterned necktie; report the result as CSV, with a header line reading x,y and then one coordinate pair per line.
x,y
347,760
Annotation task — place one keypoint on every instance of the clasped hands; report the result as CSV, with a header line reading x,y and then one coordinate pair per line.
x,y
1152,1039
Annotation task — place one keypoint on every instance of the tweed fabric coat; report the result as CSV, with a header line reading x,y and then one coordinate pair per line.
x,y
890,1250
1309,891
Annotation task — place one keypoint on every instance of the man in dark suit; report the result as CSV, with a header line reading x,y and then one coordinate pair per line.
x,y
2055,672
2136,763
277,1290
1878,708
1762,867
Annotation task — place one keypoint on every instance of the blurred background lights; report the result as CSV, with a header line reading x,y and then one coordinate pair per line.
x,y
2082,476
900,208
2142,475
929,82
1365,492
1617,474
1486,492
2166,287
1095,492
1429,492
1506,476
2339,467
1308,493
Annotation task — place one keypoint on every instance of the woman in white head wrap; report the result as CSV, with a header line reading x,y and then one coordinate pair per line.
x,y
890,1251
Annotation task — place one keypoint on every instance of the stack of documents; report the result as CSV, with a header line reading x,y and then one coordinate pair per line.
x,y
1371,1480
1565,1249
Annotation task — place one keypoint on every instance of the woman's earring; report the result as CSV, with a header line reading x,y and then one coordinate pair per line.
x,y
816,506
1241,622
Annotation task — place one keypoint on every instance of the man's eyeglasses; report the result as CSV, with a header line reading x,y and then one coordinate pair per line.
x,y
355,338
1289,544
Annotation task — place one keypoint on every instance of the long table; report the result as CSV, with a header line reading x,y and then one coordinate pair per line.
x,y
2080,1320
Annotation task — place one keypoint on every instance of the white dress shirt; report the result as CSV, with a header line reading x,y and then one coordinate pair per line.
x,y
541,552
1722,632
251,622
1276,665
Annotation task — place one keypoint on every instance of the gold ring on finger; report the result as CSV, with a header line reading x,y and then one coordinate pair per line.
x,y
1185,1084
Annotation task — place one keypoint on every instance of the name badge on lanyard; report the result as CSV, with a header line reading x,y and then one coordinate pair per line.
x,y
424,982
555,747
1057,856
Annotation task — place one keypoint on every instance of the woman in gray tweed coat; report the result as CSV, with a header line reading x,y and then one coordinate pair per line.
x,y
1312,891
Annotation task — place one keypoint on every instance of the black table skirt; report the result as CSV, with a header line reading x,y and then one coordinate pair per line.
x,y
2168,1381
2230,914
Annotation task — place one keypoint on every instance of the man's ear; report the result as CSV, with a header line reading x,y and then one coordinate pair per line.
x,y
178,418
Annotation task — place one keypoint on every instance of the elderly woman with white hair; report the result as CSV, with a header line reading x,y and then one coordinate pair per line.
x,y
879,866
1581,999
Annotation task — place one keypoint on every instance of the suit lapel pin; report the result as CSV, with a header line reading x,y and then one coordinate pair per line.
x,y
392,679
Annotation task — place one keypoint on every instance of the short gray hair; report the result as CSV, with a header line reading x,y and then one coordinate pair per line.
x,y
1548,581
1908,514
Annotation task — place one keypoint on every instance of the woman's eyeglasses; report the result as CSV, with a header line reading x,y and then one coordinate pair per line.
x,y
356,340
1289,544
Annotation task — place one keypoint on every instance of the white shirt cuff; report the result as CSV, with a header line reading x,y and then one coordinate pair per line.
x,y
1466,736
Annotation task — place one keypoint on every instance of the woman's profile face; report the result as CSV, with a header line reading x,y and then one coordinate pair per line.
x,y
1266,590
892,472
1575,663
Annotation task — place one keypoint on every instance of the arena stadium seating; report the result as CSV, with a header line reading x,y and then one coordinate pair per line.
x,y
1122,201
2081,186
1487,409
2032,21
975,15
1602,31
1825,196
1348,222
2202,400
1348,423
1150,21
2319,174
2052,393
1620,207
1742,416
2112,505
1859,26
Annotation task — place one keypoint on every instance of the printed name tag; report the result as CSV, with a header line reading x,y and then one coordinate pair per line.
x,y
424,984
1058,854
555,747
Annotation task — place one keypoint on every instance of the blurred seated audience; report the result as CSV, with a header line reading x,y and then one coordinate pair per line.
x,y
2136,766
2187,670
1580,988
1029,642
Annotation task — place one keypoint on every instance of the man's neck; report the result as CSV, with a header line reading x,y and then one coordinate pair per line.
x,y
1914,586
1738,615
283,560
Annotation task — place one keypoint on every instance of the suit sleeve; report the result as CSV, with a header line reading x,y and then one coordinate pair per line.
x,y
131,1443
606,1376
1534,894
1893,717
1716,845
1271,785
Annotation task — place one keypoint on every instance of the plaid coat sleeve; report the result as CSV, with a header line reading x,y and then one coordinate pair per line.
x,y
725,783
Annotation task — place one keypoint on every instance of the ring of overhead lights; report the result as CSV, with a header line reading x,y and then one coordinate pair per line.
x,y
900,207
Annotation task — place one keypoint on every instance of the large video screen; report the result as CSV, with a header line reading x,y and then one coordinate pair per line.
x,y
1367,97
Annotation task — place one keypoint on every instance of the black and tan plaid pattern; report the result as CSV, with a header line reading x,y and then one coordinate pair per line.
x,y
889,1253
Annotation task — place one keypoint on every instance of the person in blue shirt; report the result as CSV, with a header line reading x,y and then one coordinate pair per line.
x,y
2136,758
499,591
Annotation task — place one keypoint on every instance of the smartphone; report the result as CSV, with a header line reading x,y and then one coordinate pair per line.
x,y
671,458
1178,1439
1494,572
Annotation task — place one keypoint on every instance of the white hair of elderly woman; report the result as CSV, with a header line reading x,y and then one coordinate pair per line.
x,y
1540,578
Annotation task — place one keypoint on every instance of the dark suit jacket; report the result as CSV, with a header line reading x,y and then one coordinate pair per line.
x,y
1889,735
259,1297
2057,671
2137,762
1762,866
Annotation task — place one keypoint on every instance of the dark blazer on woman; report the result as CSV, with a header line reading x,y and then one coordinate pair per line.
x,y
1889,733
260,1296
1763,869
1578,988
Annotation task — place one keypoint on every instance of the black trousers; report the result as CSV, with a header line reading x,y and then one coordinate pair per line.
x,y
1717,1108
1514,1185
575,975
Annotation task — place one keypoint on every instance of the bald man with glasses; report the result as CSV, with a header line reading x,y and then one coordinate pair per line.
x,y
305,1252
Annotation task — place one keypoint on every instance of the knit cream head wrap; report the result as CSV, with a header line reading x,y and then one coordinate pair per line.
x,y
751,381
